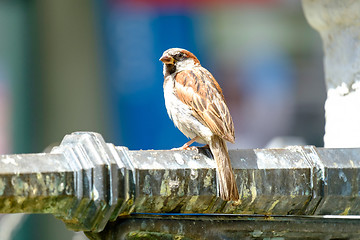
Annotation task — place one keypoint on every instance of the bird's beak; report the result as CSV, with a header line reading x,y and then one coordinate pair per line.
x,y
165,58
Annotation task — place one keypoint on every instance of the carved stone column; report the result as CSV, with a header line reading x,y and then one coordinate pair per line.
x,y
338,23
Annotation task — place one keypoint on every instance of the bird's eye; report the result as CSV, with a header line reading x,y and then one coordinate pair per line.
x,y
180,56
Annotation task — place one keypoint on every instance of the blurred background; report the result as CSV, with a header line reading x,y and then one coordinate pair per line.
x,y
70,66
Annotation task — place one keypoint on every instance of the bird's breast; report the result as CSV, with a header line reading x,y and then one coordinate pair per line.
x,y
176,109
182,116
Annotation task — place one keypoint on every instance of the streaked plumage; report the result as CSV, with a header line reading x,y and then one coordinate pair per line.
x,y
196,104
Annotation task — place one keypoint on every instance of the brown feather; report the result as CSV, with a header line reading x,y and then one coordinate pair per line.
x,y
206,99
226,178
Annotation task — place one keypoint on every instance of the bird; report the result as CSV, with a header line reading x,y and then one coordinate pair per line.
x,y
195,103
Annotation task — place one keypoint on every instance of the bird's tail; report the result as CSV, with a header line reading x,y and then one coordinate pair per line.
x,y
226,179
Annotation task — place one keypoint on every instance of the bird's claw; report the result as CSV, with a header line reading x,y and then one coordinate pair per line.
x,y
185,148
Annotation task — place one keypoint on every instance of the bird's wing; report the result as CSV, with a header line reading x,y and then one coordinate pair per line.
x,y
198,89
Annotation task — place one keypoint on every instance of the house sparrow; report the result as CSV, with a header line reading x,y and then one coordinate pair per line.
x,y
196,104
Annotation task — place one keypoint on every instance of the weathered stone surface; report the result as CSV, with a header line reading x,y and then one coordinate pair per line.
x,y
228,227
86,182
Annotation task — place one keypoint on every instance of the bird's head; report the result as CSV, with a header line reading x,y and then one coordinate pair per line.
x,y
178,59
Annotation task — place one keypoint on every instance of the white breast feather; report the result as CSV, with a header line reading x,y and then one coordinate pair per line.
x,y
181,114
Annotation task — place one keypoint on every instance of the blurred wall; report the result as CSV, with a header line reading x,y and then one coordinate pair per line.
x,y
16,76
71,81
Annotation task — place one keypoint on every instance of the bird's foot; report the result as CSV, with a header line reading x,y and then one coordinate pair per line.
x,y
185,148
